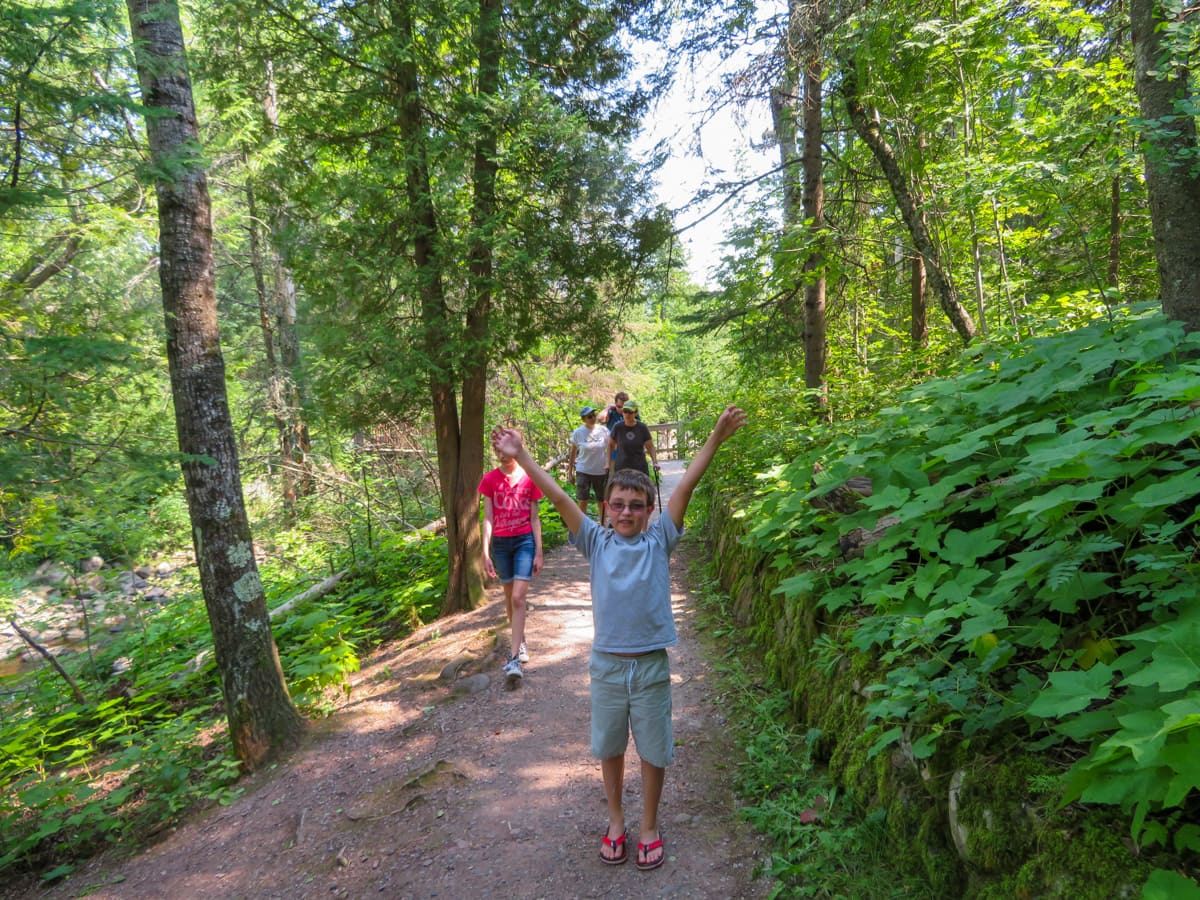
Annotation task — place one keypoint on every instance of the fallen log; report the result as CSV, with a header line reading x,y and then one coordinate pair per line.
x,y
319,589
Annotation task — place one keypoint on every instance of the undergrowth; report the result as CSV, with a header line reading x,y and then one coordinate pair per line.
x,y
1022,563
149,742
823,844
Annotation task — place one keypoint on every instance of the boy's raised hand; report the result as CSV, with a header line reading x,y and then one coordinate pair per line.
x,y
730,421
506,440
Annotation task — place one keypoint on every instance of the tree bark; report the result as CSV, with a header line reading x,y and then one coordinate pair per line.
x,y
920,321
815,349
911,205
1172,182
293,434
1112,279
460,459
803,183
277,318
262,717
1002,252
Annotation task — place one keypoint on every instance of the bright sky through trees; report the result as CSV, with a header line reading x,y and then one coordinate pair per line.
x,y
707,147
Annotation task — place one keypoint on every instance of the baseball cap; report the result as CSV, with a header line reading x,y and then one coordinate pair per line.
x,y
587,411
629,406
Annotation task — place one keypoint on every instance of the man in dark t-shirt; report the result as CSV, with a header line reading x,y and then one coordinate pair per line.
x,y
630,441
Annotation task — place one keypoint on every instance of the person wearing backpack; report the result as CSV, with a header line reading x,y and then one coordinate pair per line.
x,y
630,441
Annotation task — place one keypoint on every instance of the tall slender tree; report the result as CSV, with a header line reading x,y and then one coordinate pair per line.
x,y
1163,76
797,106
469,198
815,349
908,198
262,718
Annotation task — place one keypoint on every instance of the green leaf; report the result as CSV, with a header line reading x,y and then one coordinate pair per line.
x,y
1180,486
887,738
1164,884
1061,496
924,746
1072,691
891,497
1182,755
1174,662
796,585
964,547
57,872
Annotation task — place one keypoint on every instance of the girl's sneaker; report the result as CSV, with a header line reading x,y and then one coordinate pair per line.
x,y
523,653
512,671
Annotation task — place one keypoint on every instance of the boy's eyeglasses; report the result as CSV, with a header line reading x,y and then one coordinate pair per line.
x,y
619,506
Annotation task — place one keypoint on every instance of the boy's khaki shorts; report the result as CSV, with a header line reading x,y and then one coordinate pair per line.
x,y
632,693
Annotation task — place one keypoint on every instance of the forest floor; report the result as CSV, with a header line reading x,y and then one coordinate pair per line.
x,y
432,779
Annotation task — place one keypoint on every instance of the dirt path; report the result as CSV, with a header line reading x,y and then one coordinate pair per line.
x,y
433,780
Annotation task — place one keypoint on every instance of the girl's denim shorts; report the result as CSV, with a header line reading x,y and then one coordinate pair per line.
x,y
512,556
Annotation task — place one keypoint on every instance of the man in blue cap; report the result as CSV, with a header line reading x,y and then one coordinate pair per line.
x,y
587,461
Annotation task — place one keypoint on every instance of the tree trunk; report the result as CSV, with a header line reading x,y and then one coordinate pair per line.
x,y
1170,150
784,113
1112,279
910,202
920,321
814,214
460,458
469,592
803,185
262,718
293,436
1013,317
977,268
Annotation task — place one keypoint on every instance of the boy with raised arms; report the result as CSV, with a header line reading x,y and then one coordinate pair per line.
x,y
630,677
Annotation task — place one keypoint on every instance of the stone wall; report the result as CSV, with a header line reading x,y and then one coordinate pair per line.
x,y
976,821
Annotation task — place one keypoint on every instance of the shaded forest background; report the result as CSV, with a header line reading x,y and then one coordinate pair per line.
x,y
367,232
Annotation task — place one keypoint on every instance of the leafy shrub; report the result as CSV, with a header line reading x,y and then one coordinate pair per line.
x,y
1028,559
159,745
823,845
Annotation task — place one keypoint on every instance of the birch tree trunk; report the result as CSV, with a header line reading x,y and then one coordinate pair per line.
x,y
262,718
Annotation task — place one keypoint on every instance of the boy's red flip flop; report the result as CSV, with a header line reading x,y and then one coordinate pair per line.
x,y
618,845
644,850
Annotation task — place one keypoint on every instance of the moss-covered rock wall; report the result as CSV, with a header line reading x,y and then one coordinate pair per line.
x,y
975,822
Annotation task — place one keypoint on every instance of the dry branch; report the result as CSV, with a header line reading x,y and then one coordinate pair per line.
x,y
49,657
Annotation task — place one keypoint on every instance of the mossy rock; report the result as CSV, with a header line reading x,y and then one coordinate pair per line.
x,y
1087,862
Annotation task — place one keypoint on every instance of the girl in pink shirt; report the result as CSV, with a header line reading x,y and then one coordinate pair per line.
x,y
512,546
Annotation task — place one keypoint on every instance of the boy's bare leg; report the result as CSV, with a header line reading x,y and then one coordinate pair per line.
x,y
613,770
652,788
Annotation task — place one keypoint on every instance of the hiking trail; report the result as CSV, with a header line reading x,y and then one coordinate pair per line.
x,y
433,780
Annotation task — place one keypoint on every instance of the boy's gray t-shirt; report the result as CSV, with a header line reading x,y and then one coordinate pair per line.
x,y
631,586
